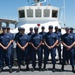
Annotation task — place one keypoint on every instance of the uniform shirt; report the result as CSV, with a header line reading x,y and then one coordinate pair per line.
x,y
68,39
50,38
29,35
23,39
36,39
12,36
59,36
16,37
74,35
6,38
42,34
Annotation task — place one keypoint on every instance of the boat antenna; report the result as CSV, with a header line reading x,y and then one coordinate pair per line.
x,y
48,2
29,2
64,12
38,2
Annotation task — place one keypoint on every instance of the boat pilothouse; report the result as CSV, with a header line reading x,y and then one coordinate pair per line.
x,y
38,14
31,16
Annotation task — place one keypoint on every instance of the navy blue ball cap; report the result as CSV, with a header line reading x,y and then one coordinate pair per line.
x,y
50,27
4,27
31,28
42,27
56,27
23,29
71,28
35,28
67,28
19,28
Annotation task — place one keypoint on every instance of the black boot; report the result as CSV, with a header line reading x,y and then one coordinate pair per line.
x,y
19,68
27,68
40,68
53,68
60,62
44,67
10,70
73,69
1,70
33,68
62,68
23,63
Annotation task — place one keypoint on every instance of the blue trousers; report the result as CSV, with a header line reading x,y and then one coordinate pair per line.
x,y
68,54
30,52
39,53
46,55
23,54
59,52
1,58
8,56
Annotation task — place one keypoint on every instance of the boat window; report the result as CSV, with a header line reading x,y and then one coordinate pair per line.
x,y
46,12
29,13
38,13
54,13
21,14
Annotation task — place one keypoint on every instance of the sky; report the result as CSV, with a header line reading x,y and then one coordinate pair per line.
x,y
8,9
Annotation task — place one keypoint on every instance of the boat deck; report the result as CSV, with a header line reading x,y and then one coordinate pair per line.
x,y
48,71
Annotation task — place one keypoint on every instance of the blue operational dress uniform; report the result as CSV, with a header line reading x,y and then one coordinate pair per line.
x,y
36,39
71,31
22,40
17,48
59,46
42,33
1,53
18,51
50,39
68,39
8,53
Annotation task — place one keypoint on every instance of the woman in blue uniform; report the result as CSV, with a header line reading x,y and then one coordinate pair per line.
x,y
36,41
6,44
22,43
51,40
68,41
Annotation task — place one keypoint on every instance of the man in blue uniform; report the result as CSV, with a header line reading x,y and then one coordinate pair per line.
x,y
4,31
8,31
42,33
29,44
71,31
7,40
68,41
18,51
17,48
50,40
59,43
22,43
36,41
